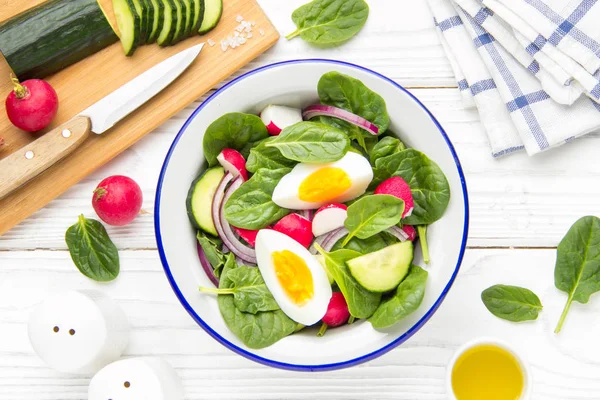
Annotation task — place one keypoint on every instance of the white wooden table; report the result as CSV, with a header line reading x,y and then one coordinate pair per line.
x,y
520,209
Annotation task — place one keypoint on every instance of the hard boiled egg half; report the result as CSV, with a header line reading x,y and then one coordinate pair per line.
x,y
310,186
295,277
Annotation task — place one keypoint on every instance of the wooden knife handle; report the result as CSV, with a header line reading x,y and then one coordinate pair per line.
x,y
39,155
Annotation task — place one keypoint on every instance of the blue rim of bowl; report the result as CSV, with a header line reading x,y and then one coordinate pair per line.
x,y
298,367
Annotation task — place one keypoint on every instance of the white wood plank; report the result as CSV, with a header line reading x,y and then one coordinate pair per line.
x,y
515,201
565,367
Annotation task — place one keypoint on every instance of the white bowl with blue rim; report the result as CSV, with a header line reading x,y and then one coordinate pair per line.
x,y
294,83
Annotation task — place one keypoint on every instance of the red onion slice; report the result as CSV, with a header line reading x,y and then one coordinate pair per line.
x,y
398,233
328,240
331,111
208,269
223,228
308,214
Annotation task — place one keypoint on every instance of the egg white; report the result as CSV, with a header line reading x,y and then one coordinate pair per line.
x,y
356,166
311,312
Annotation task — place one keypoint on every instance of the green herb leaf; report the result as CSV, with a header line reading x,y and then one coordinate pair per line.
x,y
311,142
258,330
92,251
361,302
250,293
387,146
212,249
237,131
577,270
329,22
428,184
251,206
352,95
406,300
511,303
371,215
263,156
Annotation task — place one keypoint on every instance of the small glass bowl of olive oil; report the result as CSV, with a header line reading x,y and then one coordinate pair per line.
x,y
487,369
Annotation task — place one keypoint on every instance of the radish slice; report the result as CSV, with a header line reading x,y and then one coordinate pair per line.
x,y
410,231
277,118
248,235
331,111
297,227
208,269
396,186
223,228
233,162
398,233
329,218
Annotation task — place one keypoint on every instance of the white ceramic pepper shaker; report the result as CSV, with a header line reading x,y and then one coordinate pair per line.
x,y
78,332
136,379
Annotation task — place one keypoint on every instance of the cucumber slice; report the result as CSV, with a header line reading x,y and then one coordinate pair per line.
x,y
140,9
157,25
200,197
189,15
179,27
128,22
198,15
170,19
213,9
383,270
150,19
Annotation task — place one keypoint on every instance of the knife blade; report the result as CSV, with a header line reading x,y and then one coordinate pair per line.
x,y
30,161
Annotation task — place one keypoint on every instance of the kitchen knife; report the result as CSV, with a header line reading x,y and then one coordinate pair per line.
x,y
30,161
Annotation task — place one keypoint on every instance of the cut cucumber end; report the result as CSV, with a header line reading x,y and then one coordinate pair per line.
x,y
128,22
383,270
213,9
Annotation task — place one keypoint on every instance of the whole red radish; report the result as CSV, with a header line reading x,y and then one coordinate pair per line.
x,y
396,186
32,105
297,227
337,311
117,200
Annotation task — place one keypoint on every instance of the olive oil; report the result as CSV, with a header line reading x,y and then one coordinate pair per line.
x,y
487,372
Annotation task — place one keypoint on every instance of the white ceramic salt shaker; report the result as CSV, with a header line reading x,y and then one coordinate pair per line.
x,y
136,379
78,332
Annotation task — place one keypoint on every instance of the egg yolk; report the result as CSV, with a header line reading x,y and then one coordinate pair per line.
x,y
324,185
294,276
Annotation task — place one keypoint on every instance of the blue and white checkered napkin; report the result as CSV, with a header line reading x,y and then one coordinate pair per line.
x,y
526,99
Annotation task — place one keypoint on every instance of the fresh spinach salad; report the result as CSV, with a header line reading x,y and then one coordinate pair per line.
x,y
309,217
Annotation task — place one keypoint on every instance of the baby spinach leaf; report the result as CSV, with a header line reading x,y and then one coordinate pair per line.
x,y
428,184
361,302
311,142
250,293
212,249
351,94
235,130
263,156
258,330
251,206
408,297
577,270
368,245
511,303
387,146
329,22
92,251
371,215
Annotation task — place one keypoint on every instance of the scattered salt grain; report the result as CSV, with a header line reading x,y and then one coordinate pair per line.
x,y
240,35
211,42
239,18
262,33
249,35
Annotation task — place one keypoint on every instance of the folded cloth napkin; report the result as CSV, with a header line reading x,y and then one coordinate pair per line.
x,y
525,86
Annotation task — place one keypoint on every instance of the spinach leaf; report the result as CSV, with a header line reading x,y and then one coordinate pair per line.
x,y
361,302
263,156
422,232
235,130
405,301
258,330
577,270
250,293
311,142
511,303
371,215
387,146
92,251
351,94
212,249
368,245
251,206
329,22
428,184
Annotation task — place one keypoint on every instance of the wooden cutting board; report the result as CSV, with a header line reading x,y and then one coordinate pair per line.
x,y
84,83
